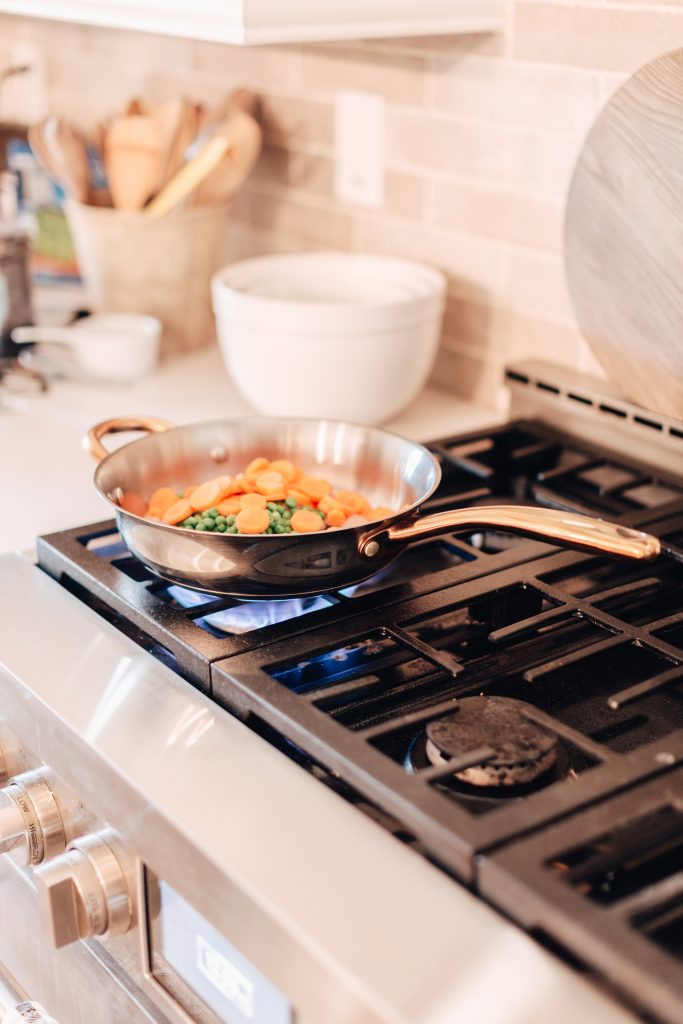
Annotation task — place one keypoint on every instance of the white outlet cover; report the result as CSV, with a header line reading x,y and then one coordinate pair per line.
x,y
360,147
23,97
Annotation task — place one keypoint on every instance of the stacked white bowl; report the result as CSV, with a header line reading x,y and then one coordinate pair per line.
x,y
333,335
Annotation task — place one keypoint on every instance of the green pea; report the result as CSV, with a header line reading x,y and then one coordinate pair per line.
x,y
278,529
200,526
211,513
321,514
231,520
220,519
288,529
271,506
187,526
290,503
232,529
221,527
208,523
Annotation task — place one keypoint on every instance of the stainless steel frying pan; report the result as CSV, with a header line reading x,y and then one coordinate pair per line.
x,y
388,469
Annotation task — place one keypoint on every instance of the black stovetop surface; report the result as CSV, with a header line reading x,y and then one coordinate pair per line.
x,y
353,684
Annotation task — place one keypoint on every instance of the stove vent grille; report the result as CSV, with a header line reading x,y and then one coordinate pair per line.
x,y
590,408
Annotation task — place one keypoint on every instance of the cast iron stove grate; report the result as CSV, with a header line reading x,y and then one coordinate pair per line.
x,y
370,698
607,885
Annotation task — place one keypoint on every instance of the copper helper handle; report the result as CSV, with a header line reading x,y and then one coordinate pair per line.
x,y
568,529
92,442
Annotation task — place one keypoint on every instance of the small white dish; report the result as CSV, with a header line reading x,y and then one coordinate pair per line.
x,y
120,347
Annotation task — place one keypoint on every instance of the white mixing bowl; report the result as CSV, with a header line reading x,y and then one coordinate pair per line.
x,y
336,335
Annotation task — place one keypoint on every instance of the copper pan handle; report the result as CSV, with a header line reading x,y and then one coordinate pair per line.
x,y
92,442
567,529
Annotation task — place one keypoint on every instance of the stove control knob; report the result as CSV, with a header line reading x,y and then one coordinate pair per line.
x,y
31,826
84,893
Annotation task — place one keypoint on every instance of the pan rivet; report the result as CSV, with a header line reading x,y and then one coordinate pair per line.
x,y
371,549
218,453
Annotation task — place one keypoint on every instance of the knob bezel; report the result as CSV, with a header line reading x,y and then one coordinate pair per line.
x,y
85,892
44,835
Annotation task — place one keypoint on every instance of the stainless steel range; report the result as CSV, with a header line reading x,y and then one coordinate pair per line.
x,y
453,793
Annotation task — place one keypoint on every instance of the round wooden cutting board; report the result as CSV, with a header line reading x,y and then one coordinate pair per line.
x,y
624,237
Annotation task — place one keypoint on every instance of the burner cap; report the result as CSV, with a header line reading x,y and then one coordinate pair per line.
x,y
523,750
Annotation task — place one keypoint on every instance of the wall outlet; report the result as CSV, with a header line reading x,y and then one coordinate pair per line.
x,y
23,97
360,144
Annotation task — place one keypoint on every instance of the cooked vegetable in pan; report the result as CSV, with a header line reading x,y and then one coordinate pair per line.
x,y
268,497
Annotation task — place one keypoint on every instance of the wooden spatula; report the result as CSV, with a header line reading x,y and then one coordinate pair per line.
x,y
133,156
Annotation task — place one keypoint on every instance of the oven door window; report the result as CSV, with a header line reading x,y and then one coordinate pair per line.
x,y
203,972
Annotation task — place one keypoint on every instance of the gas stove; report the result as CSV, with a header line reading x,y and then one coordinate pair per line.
x,y
387,803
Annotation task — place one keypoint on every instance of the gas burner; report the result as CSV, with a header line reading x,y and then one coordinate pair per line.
x,y
523,752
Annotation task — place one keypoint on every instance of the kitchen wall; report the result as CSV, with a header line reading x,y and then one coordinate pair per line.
x,y
483,132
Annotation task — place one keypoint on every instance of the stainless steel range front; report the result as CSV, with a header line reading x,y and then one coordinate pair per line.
x,y
453,793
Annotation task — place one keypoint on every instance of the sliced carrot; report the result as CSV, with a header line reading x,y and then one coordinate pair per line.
x,y
229,506
266,482
206,496
276,495
177,512
256,466
335,517
162,499
327,503
353,503
285,468
306,522
132,502
228,486
252,520
299,497
189,491
252,501
314,487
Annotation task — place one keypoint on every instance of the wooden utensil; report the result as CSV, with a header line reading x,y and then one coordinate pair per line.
x,y
244,148
624,237
183,117
190,175
63,150
134,151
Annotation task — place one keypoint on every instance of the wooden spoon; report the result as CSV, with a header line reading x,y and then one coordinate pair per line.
x,y
245,138
63,149
133,154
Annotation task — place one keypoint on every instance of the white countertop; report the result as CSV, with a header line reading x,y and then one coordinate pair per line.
x,y
46,477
